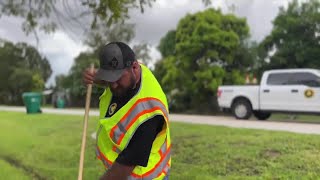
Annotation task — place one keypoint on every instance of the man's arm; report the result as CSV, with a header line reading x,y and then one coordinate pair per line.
x,y
117,172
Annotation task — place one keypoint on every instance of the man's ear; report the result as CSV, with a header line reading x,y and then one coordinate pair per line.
x,y
135,64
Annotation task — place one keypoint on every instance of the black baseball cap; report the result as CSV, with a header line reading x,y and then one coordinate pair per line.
x,y
114,58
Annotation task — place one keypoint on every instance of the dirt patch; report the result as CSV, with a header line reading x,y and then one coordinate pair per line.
x,y
271,153
240,143
28,170
244,166
189,137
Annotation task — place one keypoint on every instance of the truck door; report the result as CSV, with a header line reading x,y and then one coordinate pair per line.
x,y
276,94
306,87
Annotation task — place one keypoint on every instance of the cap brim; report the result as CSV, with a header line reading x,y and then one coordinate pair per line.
x,y
109,75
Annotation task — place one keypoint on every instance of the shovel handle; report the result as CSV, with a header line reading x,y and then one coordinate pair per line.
x,y
85,125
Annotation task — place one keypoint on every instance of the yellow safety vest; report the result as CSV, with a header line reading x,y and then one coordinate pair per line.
x,y
115,132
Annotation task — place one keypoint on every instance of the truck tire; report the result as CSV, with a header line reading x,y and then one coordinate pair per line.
x,y
261,115
241,109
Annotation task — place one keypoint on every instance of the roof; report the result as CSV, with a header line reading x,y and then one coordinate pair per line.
x,y
293,70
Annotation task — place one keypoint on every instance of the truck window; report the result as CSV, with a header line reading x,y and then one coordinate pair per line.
x,y
278,79
304,78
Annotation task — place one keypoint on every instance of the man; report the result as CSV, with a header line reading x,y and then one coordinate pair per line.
x,y
133,138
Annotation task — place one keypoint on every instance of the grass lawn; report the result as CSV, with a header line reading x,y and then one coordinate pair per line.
x,y
47,146
295,118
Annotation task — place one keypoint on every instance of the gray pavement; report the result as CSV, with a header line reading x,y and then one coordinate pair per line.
x,y
305,128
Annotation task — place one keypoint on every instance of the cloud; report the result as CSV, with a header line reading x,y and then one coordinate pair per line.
x,y
61,50
163,16
58,48
259,14
10,29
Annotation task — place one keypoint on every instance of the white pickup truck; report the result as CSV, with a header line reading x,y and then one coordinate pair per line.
x,y
283,90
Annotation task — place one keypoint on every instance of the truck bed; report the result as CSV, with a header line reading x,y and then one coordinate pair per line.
x,y
228,93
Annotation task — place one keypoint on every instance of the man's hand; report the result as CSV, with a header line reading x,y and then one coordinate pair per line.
x,y
88,77
117,172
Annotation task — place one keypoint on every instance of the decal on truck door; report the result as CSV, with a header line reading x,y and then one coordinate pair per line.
x,y
308,93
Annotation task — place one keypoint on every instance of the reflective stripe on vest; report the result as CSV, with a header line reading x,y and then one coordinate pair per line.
x,y
157,170
141,107
106,162
161,167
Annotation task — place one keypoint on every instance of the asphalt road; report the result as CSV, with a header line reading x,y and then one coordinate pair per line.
x,y
306,128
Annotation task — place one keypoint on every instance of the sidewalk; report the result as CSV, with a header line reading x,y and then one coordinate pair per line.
x,y
199,119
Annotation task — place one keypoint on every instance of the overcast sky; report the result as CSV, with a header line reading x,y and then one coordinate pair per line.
x,y
60,48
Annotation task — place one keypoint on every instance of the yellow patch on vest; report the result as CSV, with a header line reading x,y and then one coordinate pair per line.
x,y
112,108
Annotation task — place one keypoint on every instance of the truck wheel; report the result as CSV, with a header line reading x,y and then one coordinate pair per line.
x,y
261,115
242,109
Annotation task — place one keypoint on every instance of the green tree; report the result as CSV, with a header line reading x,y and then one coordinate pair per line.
x,y
19,81
294,40
116,32
210,49
167,44
142,53
37,83
72,82
62,82
24,69
33,60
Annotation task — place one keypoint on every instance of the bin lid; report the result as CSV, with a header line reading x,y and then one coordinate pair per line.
x,y
25,94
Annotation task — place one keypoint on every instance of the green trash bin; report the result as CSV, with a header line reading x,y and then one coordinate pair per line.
x,y
60,103
32,101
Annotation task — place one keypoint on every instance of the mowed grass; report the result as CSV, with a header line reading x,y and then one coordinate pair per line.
x,y
300,118
47,146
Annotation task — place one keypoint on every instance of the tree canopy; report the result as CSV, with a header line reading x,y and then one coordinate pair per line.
x,y
50,14
295,38
206,45
23,69
167,44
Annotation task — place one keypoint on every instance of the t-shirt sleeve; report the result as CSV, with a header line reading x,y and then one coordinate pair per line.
x,y
138,150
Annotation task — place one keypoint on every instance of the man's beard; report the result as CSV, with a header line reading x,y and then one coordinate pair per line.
x,y
123,91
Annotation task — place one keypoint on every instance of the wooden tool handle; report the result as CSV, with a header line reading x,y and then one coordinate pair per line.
x,y
85,125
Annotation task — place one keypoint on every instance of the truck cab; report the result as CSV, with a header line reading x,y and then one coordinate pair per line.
x,y
290,90
283,90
